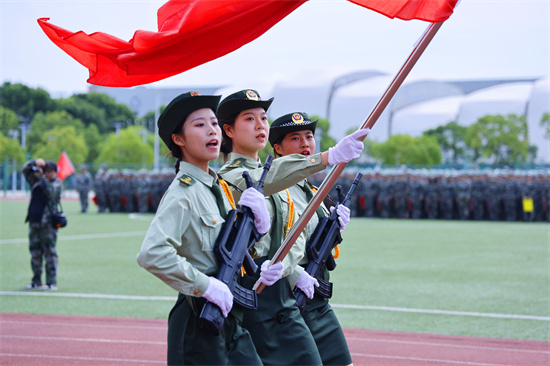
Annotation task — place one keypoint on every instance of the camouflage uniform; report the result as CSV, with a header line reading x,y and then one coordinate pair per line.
x,y
100,194
83,184
42,234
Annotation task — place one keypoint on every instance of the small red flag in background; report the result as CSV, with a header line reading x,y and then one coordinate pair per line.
x,y
193,32
64,166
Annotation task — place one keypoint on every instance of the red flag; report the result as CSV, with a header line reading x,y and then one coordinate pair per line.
x,y
64,166
193,32
427,10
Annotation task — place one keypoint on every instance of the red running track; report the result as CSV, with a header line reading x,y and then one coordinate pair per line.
x,y
27,339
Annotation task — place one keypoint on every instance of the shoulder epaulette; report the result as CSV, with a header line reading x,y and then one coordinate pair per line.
x,y
236,163
186,180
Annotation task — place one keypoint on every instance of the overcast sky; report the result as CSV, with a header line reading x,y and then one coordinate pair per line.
x,y
483,39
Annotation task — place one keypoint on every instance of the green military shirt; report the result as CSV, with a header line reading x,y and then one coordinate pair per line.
x,y
178,246
284,173
300,203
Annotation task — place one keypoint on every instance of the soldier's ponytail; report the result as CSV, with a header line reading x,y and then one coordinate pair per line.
x,y
175,150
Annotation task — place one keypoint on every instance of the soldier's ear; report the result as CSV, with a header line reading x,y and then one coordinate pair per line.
x,y
228,129
178,140
278,149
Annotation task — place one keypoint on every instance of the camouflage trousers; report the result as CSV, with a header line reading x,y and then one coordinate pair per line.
x,y
42,241
83,194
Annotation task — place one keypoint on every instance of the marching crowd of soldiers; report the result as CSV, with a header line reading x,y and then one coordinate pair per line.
x,y
128,191
450,195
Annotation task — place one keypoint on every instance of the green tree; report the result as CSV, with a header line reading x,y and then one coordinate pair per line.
x,y
545,124
499,139
451,139
321,134
85,111
424,151
8,120
404,149
128,148
43,122
10,149
61,139
25,101
93,139
113,111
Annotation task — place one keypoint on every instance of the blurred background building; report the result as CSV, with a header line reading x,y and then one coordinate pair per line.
x,y
346,99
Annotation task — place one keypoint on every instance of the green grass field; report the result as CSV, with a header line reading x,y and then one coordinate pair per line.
x,y
487,279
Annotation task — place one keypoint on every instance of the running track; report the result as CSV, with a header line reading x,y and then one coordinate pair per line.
x,y
27,339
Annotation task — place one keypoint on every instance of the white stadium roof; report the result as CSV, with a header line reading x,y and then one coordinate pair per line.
x,y
347,98
503,99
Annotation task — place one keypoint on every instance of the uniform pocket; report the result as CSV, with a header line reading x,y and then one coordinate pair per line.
x,y
210,228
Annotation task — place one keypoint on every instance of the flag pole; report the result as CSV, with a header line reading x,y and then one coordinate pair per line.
x,y
336,170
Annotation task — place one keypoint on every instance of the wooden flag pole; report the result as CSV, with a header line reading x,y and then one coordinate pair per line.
x,y
336,170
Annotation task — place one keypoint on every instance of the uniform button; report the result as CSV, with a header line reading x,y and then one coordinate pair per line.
x,y
213,222
196,292
313,160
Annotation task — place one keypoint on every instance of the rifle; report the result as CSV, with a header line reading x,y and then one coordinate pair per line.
x,y
238,234
319,248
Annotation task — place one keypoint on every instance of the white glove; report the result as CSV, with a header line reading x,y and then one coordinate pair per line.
x,y
348,148
306,282
254,200
219,294
271,274
343,216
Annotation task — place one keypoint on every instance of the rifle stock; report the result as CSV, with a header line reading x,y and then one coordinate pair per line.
x,y
319,248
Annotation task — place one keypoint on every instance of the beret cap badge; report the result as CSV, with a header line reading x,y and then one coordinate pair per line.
x,y
297,118
250,94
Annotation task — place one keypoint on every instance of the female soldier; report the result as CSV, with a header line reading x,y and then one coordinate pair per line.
x,y
178,247
294,134
279,332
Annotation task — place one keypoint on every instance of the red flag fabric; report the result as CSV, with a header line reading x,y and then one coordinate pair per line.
x,y
427,10
64,166
193,32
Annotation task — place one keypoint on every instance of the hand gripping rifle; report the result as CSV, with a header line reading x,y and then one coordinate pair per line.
x,y
319,248
238,234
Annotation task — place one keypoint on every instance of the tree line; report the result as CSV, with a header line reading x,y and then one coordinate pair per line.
x,y
94,128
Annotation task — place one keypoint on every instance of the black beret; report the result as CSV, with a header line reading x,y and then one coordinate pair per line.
x,y
179,108
291,122
241,101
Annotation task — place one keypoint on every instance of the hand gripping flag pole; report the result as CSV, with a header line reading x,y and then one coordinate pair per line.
x,y
336,170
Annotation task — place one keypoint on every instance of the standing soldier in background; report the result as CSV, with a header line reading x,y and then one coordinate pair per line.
x,y
143,191
99,189
84,182
45,195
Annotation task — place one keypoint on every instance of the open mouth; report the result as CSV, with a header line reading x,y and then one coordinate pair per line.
x,y
306,152
261,136
212,143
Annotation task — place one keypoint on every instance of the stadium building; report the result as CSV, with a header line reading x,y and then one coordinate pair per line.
x,y
346,99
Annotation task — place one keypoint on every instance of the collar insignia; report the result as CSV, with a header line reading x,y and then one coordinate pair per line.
x,y
186,180
236,163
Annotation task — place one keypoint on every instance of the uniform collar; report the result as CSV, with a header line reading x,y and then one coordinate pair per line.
x,y
248,162
207,179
